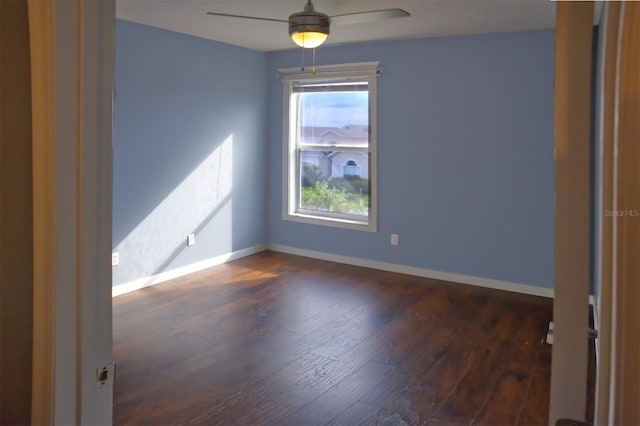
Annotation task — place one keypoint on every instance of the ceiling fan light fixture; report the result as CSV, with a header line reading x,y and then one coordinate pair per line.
x,y
309,29
309,39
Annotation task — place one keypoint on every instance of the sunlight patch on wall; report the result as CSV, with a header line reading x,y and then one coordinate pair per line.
x,y
199,199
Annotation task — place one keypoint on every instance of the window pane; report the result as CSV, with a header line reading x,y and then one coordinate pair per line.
x,y
334,181
334,118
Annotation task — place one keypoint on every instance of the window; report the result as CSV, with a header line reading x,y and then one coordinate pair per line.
x,y
330,146
351,169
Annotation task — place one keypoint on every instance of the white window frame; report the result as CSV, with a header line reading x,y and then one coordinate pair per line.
x,y
365,71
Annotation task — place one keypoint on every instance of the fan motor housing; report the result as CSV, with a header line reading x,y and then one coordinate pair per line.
x,y
308,20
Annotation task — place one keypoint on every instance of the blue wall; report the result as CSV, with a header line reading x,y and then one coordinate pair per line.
x,y
465,153
189,150
465,142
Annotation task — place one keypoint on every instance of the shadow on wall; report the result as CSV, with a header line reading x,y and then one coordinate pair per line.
x,y
203,197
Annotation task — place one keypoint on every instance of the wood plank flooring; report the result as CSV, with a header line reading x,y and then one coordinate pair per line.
x,y
275,339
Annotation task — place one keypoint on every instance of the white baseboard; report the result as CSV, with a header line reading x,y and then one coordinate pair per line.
x,y
384,266
420,272
185,270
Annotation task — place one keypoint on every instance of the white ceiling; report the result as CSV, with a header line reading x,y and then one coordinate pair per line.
x,y
429,18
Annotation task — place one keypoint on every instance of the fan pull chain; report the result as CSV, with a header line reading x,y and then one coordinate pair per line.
x,y
302,67
313,65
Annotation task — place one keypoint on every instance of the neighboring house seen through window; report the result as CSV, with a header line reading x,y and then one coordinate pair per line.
x,y
351,169
330,146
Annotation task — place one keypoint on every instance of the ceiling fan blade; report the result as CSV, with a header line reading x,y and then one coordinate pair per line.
x,y
371,16
229,15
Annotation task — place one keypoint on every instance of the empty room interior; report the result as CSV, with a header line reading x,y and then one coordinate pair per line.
x,y
427,300
337,213
363,316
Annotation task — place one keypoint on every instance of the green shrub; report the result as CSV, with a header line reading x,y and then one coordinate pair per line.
x,y
322,197
310,175
352,185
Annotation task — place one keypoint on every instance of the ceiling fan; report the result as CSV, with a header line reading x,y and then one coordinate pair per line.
x,y
310,28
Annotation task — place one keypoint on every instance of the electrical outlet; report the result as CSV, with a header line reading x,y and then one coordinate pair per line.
x,y
191,239
115,259
395,239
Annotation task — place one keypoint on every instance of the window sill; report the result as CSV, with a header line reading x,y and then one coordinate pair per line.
x,y
333,222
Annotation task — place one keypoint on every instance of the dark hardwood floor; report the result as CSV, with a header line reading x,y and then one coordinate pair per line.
x,y
274,339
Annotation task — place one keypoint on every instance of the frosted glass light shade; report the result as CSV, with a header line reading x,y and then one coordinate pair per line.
x,y
309,39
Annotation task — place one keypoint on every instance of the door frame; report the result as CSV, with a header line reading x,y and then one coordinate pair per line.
x,y
569,358
72,55
618,379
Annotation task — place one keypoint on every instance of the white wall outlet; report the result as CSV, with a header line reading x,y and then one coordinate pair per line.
x,y
191,239
115,259
395,239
